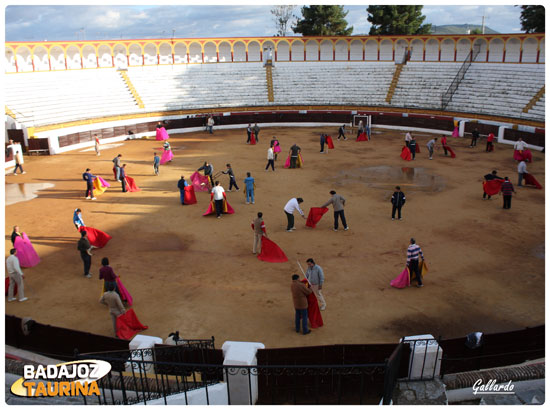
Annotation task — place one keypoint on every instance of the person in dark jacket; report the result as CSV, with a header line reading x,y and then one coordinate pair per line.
x,y
397,200
182,183
232,181
123,177
89,178
506,190
475,136
85,249
208,171
412,146
490,177
322,140
342,131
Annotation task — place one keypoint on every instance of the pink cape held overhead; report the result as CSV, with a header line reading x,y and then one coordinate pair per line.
x,y
226,208
200,182
315,215
162,134
271,252
25,251
96,237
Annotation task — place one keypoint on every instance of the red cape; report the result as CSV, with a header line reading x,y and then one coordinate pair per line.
x,y
315,215
362,137
330,144
8,287
524,155
271,252
530,180
96,237
212,208
128,325
200,182
252,139
189,195
313,312
417,150
453,155
123,292
131,185
406,153
492,187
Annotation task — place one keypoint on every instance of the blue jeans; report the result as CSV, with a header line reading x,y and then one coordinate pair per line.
x,y
301,314
117,173
342,217
249,195
182,196
18,166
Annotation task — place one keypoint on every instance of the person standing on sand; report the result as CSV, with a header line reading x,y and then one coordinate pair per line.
x,y
182,183
16,277
397,200
292,205
89,178
85,249
156,163
316,277
259,230
97,152
113,302
506,190
338,202
413,252
249,188
299,297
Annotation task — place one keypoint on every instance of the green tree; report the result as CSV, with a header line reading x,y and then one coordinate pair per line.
x,y
397,20
323,21
532,19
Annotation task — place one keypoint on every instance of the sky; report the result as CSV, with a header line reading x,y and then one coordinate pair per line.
x,y
74,21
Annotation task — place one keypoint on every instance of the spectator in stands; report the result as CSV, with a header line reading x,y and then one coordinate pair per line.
x,y
431,145
232,181
408,138
490,177
299,297
490,139
89,178
292,205
113,302
18,159
182,183
397,200
116,168
475,136
413,252
123,177
294,152
506,190
342,131
97,145
259,230
316,277
270,160
210,125
248,133
338,202
522,169
249,188
256,132
412,147
322,140
85,249
16,277
156,163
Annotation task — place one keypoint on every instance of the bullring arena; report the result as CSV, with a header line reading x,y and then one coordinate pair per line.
x,y
197,274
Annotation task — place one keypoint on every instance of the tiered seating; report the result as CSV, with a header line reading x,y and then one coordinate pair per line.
x,y
422,84
182,87
536,112
499,89
327,83
60,96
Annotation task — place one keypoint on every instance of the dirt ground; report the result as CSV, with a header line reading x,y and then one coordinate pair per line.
x,y
198,275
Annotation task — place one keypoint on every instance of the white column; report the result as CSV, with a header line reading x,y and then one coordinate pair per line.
x,y
426,355
241,389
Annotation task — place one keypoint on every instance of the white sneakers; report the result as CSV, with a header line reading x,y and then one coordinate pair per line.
x,y
20,300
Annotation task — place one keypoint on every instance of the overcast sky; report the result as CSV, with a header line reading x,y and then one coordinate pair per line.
x,y
78,22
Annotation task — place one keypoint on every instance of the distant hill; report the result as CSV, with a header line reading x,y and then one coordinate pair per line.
x,y
459,29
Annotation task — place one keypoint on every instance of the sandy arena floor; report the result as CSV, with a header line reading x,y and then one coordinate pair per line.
x,y
197,274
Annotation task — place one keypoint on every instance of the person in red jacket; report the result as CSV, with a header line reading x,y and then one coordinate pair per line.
x,y
490,139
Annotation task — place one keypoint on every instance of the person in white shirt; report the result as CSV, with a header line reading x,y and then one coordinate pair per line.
x,y
16,277
408,138
218,191
520,145
290,207
522,169
210,124
270,159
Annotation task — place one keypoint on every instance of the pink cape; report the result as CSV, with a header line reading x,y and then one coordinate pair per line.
x,y
162,134
529,180
131,185
103,182
189,196
524,155
166,156
299,161
330,143
406,153
403,280
96,237
226,208
200,182
276,147
315,215
124,294
453,155
455,132
25,252
362,137
128,325
271,252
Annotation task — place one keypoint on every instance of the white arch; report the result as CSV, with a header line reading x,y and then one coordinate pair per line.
x,y
136,57
462,49
371,50
298,51
417,50
210,53
40,58
57,58
386,52
482,45
432,50
326,51
529,50
447,50
283,51
239,51
225,51
496,50
104,54
165,53
513,46
24,58
355,50
254,51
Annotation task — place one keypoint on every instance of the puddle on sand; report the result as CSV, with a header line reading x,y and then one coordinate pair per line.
x,y
23,192
386,177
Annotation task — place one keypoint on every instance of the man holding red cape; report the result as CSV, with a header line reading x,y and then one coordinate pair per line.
x,y
300,293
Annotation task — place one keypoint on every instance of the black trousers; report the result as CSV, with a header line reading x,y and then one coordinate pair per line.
x,y
341,134
232,183
489,146
87,259
293,162
507,201
485,195
219,206
413,268
123,184
342,217
407,144
322,146
412,148
394,208
445,149
474,142
272,163
248,139
89,190
256,136
290,221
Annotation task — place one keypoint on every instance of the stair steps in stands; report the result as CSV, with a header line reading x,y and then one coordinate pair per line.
x,y
534,100
269,78
394,82
132,89
9,112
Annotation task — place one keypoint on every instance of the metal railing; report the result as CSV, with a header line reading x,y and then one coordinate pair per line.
x,y
429,358
448,95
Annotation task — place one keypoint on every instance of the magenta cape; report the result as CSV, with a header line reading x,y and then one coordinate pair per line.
x,y
123,292
315,215
189,195
525,155
362,137
131,185
167,155
104,183
530,180
406,153
200,182
453,155
403,280
455,132
226,208
96,237
276,147
271,252
128,325
313,312
299,162
492,187
162,134
330,143
25,252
